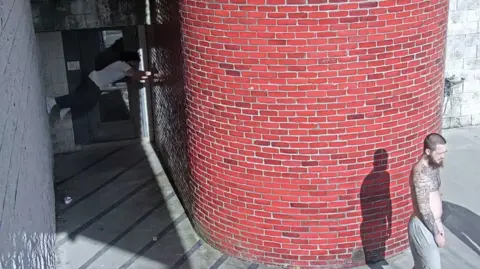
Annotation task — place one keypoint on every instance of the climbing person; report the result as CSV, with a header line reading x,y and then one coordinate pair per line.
x,y
88,92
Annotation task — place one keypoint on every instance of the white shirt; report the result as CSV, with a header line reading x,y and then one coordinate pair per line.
x,y
110,74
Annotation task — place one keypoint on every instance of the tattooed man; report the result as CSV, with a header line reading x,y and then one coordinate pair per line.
x,y
425,230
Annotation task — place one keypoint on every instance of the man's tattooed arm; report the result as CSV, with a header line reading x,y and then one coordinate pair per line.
x,y
423,186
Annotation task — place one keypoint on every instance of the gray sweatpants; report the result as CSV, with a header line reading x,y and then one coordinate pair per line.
x,y
426,254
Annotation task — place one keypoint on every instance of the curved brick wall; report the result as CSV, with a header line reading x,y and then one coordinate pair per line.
x,y
304,120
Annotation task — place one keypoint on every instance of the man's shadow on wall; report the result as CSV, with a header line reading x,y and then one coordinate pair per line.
x,y
463,223
376,205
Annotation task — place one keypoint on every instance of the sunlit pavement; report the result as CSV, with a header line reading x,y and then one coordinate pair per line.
x,y
460,183
123,212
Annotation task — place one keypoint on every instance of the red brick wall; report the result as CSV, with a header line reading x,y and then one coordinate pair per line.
x,y
304,120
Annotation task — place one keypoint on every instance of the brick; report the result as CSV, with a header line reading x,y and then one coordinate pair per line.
x,y
453,5
471,86
459,17
476,119
454,64
467,74
472,40
458,54
446,122
464,121
27,216
470,52
468,4
455,53
473,15
470,109
301,102
472,63
457,41
462,28
453,111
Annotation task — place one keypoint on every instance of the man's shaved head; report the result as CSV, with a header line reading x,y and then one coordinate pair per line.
x,y
434,147
432,140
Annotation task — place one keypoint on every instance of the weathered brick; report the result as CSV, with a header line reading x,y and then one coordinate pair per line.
x,y
458,41
472,63
476,118
468,4
470,109
459,17
27,218
474,15
447,122
472,86
463,55
463,28
455,65
470,52
467,74
472,40
293,106
453,111
465,120
460,53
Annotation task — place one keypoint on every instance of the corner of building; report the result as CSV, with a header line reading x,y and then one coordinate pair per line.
x,y
27,210
462,106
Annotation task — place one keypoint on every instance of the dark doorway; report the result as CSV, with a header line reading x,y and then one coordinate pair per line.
x,y
116,116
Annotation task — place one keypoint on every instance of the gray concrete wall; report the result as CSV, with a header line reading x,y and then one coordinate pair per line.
x,y
54,78
27,216
463,60
57,15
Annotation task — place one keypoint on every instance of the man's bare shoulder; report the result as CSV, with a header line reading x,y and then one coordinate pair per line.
x,y
419,174
424,177
420,168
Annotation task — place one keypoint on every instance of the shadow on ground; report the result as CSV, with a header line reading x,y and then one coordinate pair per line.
x,y
123,213
463,223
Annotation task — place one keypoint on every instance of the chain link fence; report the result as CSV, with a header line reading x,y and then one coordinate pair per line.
x,y
168,97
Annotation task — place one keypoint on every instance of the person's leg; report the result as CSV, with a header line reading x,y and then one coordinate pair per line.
x,y
74,99
83,99
413,245
91,97
426,254
64,101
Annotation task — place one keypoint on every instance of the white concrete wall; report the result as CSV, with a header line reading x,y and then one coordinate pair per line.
x,y
54,76
27,214
463,60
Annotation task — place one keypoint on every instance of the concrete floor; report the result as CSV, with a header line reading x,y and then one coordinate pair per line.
x,y
124,213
